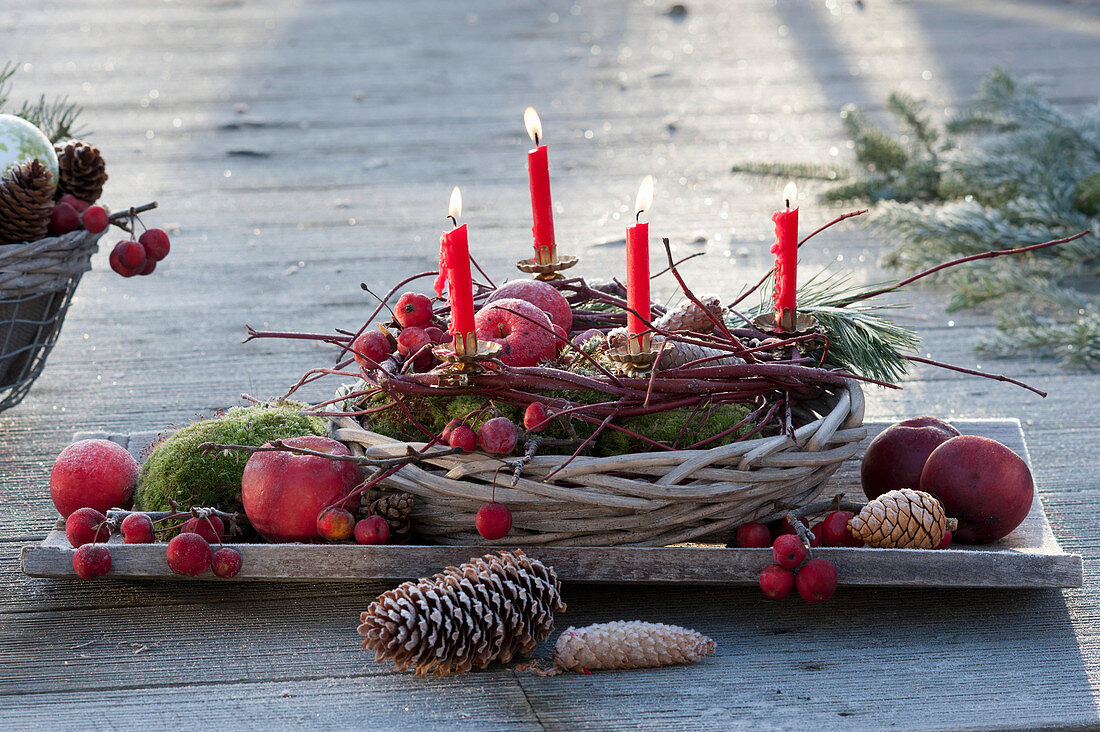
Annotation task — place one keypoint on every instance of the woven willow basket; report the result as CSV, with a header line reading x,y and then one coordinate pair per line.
x,y
642,499
37,282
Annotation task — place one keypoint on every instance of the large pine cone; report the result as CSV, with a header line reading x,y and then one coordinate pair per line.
x,y
632,644
82,170
26,200
488,609
901,519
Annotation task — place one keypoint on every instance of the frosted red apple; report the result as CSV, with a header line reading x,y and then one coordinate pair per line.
x,y
982,483
896,456
283,493
523,331
97,474
543,296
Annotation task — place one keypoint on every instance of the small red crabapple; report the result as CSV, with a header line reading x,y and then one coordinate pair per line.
x,y
776,582
156,244
498,436
493,520
463,437
753,536
446,434
534,418
117,266
95,219
70,200
63,219
137,528
413,309
371,346
212,533
188,554
945,541
335,523
131,255
86,526
92,560
816,580
372,530
226,562
788,551
834,530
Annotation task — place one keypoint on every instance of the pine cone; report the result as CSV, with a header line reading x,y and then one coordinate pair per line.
x,y
26,200
490,608
677,354
690,316
395,508
901,519
82,171
631,644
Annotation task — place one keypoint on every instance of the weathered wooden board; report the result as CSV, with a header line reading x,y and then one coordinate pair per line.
x,y
1029,557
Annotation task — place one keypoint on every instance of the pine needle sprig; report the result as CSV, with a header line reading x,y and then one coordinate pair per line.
x,y
57,119
860,338
1075,344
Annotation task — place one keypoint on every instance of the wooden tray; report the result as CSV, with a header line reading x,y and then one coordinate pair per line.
x,y
1029,557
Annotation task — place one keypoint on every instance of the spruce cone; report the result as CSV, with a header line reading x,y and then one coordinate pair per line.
x,y
395,508
631,644
488,609
82,171
901,519
26,200
677,354
690,316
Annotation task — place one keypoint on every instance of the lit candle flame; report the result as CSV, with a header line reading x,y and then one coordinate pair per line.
x,y
533,123
790,194
645,196
454,209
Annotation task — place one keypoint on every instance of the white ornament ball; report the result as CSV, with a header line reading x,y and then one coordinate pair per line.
x,y
21,141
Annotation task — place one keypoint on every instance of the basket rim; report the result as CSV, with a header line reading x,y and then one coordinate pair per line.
x,y
46,265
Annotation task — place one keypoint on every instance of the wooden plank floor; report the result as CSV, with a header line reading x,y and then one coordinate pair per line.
x,y
298,149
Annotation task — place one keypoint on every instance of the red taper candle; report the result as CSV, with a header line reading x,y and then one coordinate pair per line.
x,y
454,273
786,260
538,176
637,262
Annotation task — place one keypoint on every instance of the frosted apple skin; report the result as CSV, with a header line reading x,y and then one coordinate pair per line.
x,y
283,493
512,324
983,484
896,457
543,296
97,474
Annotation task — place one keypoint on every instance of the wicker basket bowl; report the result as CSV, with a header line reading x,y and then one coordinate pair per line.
x,y
642,499
37,282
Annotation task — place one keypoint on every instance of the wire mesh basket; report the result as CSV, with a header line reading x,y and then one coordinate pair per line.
x,y
37,282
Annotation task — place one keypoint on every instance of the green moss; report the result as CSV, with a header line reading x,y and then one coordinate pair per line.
x,y
177,470
435,412
1087,194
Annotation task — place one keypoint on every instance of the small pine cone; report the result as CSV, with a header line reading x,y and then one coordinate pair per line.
x,y
395,508
901,519
677,354
26,200
82,171
690,316
490,608
632,644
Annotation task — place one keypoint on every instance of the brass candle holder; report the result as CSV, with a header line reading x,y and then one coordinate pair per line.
x,y
797,324
636,356
464,360
546,264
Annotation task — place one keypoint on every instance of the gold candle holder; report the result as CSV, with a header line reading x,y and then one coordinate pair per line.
x,y
546,265
803,324
464,360
636,356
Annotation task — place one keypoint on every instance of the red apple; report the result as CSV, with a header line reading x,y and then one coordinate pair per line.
x,y
283,493
97,474
896,456
982,483
540,294
512,323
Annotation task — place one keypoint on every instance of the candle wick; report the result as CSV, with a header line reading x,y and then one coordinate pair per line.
x,y
536,139
788,203
638,216
454,224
